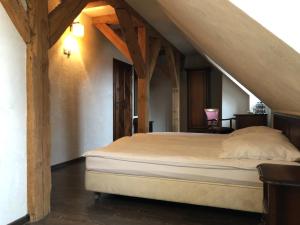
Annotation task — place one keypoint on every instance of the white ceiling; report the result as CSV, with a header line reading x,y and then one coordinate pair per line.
x,y
154,14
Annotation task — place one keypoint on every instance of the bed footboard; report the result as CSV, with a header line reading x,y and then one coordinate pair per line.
x,y
238,197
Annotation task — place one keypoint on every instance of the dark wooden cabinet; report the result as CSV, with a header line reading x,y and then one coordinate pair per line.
x,y
281,194
248,120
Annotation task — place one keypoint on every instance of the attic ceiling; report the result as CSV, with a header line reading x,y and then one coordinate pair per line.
x,y
254,56
154,14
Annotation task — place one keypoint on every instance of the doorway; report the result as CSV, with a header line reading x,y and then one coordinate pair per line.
x,y
122,95
197,99
204,90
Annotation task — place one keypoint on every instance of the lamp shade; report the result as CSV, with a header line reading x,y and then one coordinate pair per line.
x,y
77,29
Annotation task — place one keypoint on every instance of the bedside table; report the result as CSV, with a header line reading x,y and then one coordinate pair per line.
x,y
281,193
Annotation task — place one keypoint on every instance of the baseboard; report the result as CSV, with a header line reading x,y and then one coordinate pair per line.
x,y
21,221
64,164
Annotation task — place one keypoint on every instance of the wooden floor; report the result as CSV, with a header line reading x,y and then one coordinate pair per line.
x,y
71,204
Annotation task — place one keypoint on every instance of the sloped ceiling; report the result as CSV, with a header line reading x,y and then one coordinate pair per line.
x,y
255,57
153,13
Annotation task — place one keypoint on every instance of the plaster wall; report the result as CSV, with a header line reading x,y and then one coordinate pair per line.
x,y
81,94
13,160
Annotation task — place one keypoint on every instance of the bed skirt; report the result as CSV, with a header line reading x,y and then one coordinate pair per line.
x,y
229,196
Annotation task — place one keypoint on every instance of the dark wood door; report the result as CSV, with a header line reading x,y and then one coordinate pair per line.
x,y
122,99
197,89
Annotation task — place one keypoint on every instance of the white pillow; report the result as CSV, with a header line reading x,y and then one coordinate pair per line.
x,y
259,146
255,129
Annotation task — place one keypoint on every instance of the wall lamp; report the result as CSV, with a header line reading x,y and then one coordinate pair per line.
x,y
70,43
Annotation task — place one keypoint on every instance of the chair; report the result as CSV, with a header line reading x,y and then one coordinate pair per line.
x,y
213,122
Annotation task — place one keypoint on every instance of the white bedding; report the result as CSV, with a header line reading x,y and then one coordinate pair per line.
x,y
175,155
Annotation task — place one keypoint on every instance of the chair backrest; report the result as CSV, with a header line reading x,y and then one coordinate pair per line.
x,y
212,116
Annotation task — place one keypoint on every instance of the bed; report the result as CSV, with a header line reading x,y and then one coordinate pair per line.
x,y
181,167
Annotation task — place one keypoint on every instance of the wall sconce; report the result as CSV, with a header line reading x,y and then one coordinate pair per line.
x,y
70,43
77,29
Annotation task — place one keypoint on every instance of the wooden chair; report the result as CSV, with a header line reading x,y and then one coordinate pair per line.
x,y
214,122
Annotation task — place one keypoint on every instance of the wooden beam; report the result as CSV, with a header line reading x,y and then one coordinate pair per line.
x,y
143,104
175,109
96,4
142,22
172,65
137,43
131,39
143,82
114,39
38,107
143,43
62,17
18,16
155,47
108,19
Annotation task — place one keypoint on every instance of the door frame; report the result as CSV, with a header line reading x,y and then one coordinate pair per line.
x,y
114,95
207,70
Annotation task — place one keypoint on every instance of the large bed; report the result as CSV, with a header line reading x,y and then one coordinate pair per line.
x,y
180,167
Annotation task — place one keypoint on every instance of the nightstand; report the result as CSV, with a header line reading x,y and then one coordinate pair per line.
x,y
281,193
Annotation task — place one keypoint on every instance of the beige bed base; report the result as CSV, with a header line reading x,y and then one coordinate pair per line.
x,y
245,198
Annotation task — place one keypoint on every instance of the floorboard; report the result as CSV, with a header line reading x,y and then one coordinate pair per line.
x,y
72,204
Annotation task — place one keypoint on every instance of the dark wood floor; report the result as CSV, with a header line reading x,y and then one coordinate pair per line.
x,y
71,204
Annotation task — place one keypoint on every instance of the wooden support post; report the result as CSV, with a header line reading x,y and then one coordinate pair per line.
x,y
137,43
174,70
175,109
143,82
38,104
143,105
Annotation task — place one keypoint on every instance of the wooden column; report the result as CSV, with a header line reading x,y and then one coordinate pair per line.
x,y
143,83
38,104
174,68
175,109
176,94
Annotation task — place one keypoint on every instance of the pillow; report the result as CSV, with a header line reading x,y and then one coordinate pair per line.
x,y
259,146
255,129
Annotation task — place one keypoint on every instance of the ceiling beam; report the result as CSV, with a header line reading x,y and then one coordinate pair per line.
x,y
62,16
108,19
114,39
142,22
18,16
96,4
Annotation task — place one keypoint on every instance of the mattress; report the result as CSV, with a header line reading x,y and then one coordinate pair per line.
x,y
182,156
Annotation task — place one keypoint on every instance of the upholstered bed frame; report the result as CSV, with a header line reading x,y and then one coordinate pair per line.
x,y
239,197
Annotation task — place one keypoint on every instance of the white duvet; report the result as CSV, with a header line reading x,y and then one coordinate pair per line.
x,y
179,149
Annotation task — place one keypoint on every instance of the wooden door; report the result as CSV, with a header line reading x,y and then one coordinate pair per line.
x,y
197,89
122,99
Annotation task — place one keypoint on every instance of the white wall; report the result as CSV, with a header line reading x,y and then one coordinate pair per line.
x,y
13,173
81,94
234,99
161,102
